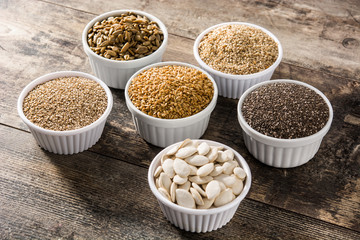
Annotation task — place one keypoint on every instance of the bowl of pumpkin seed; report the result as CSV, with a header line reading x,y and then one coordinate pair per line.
x,y
120,42
199,184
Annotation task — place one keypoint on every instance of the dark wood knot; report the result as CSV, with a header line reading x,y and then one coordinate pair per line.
x,y
350,43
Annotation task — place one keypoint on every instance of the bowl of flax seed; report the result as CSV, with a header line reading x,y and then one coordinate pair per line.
x,y
284,121
65,111
237,55
170,101
120,42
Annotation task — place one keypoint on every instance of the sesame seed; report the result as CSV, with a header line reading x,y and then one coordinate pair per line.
x,y
238,49
65,103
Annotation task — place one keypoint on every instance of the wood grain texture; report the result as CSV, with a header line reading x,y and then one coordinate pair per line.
x,y
43,195
316,35
90,196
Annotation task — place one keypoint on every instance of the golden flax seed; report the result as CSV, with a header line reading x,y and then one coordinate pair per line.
x,y
171,91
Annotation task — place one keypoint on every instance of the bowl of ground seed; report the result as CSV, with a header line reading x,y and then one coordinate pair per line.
x,y
120,42
170,101
65,111
284,121
237,55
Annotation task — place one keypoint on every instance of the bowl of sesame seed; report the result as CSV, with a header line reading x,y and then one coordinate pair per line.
x,y
120,42
65,111
284,121
237,55
170,101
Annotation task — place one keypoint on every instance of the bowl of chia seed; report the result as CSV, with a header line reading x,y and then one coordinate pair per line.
x,y
284,121
237,55
65,111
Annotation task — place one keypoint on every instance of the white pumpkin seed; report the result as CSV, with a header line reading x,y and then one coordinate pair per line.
x,y
193,170
213,189
226,179
205,170
228,167
207,203
181,168
229,154
197,160
224,198
173,150
200,180
185,143
184,198
165,181
173,188
179,180
164,193
199,189
157,172
185,152
222,157
157,183
218,169
168,167
238,186
203,148
222,186
240,173
212,154
197,197
186,186
190,177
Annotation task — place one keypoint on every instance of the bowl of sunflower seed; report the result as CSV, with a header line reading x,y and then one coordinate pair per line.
x,y
120,42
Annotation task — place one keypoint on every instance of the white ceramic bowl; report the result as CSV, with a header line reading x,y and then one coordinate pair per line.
x,y
282,153
231,85
199,220
116,73
163,132
71,141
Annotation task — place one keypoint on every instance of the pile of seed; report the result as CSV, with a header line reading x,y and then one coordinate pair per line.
x,y
197,175
171,91
65,103
238,49
125,37
285,110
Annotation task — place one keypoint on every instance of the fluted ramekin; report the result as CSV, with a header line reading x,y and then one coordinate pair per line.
x,y
70,141
116,73
232,85
163,132
199,220
282,153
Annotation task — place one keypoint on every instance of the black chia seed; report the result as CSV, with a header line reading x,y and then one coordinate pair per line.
x,y
285,110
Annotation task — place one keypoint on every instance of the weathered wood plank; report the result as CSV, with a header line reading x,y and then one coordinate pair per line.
x,y
89,196
326,188
318,35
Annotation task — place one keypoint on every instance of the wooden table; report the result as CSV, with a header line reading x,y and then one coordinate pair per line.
x,y
103,193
